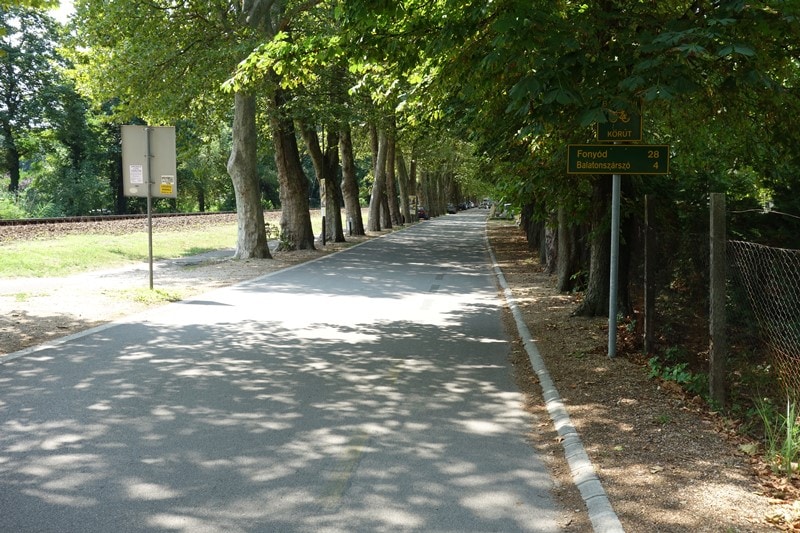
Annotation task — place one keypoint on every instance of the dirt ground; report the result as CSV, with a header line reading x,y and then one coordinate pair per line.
x,y
665,461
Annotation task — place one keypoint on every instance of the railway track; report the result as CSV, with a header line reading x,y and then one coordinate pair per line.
x,y
43,228
101,218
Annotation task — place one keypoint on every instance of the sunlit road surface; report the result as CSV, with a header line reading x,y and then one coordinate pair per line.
x,y
367,391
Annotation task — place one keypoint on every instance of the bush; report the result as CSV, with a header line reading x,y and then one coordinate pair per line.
x,y
9,207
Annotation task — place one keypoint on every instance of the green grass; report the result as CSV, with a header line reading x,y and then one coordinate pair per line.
x,y
782,436
154,296
72,254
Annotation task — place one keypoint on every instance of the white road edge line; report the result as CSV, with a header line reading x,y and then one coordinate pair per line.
x,y
602,515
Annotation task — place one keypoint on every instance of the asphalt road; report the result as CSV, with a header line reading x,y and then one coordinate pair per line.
x,y
366,391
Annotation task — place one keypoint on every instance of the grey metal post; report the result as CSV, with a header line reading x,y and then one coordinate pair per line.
x,y
614,267
149,157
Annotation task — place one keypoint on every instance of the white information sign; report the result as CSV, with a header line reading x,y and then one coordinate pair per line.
x,y
137,175
149,167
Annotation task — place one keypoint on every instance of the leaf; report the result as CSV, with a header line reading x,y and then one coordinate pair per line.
x,y
749,449
550,96
721,22
736,49
591,116
657,92
565,97
525,89
631,83
648,64
691,49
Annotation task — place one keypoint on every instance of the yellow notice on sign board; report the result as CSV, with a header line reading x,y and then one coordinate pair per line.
x,y
167,186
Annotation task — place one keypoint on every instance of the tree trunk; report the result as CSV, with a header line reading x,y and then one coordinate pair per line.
x,y
120,200
595,298
438,193
115,175
423,189
534,231
568,255
386,215
352,205
551,247
379,170
412,182
629,230
251,238
333,190
326,163
403,184
11,158
296,232
391,182
314,151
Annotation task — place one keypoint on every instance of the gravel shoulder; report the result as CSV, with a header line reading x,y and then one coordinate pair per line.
x,y
666,462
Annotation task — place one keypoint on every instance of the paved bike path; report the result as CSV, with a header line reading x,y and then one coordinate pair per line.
x,y
365,391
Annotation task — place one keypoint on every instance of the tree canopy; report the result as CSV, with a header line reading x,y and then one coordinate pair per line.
x,y
484,96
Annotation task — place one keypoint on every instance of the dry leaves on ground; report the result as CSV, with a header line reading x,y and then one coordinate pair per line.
x,y
666,462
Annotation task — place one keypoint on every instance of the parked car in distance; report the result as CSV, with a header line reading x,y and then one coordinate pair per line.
x,y
422,214
451,209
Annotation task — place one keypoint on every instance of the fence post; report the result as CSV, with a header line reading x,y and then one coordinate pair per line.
x,y
718,343
649,274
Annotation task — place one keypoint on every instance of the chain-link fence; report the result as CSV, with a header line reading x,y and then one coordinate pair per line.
x,y
771,280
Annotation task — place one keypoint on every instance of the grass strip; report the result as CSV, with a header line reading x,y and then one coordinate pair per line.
x,y
72,254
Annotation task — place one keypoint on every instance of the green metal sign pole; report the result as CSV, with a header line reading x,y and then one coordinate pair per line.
x,y
612,291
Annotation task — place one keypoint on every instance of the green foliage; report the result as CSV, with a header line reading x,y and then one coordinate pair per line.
x,y
782,436
35,4
69,192
662,419
9,207
203,181
671,368
28,63
158,67
153,296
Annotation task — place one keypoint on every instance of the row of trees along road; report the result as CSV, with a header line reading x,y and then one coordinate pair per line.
x,y
457,97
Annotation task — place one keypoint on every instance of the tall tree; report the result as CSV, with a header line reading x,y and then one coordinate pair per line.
x,y
137,51
326,167
242,169
404,186
296,232
392,189
380,145
352,205
27,63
